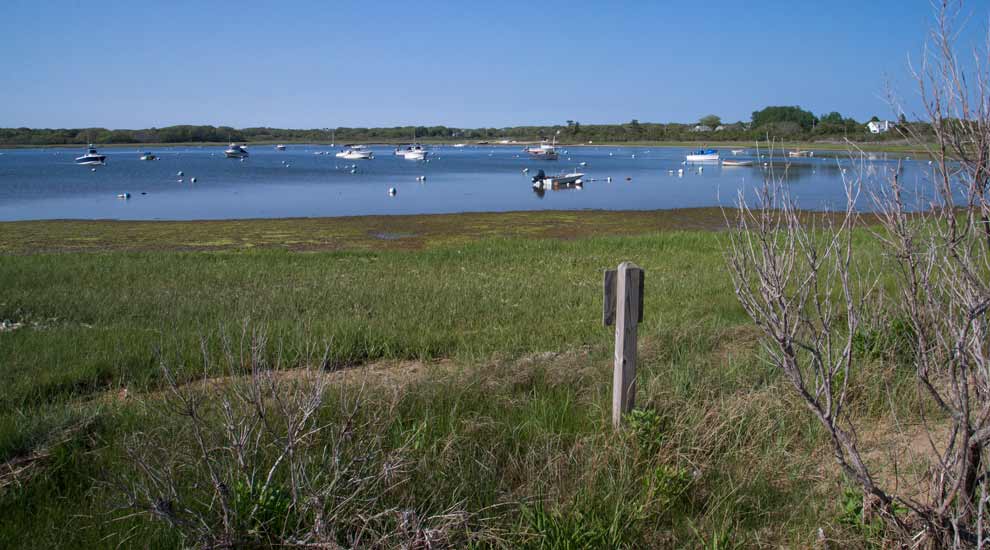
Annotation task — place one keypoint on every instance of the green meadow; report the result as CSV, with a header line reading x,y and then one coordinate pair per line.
x,y
463,354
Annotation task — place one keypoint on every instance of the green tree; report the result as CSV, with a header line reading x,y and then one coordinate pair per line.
x,y
778,114
712,121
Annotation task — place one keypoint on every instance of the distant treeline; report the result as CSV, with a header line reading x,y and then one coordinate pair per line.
x,y
791,123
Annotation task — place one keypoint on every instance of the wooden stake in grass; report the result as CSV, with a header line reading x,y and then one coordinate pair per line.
x,y
623,306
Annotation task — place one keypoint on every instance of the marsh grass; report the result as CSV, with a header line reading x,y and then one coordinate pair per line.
x,y
494,394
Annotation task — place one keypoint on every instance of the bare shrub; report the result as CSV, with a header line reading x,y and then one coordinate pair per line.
x,y
800,280
255,453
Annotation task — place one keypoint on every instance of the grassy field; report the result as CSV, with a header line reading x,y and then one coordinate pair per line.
x,y
474,346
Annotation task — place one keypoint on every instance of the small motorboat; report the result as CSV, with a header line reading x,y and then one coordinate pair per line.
x,y
797,153
702,155
738,151
730,162
542,181
92,157
235,151
412,152
280,147
355,152
147,155
459,145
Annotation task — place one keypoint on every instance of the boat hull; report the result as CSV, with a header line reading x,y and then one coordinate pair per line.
x,y
355,155
708,157
91,160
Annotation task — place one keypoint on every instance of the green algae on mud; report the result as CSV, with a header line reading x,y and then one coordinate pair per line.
x,y
343,233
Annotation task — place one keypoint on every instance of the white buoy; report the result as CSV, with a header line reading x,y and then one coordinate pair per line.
x,y
179,180
680,171
192,180
123,195
583,164
354,170
634,156
179,173
92,169
527,169
609,179
391,191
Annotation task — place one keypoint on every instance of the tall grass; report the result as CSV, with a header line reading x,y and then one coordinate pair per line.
x,y
502,416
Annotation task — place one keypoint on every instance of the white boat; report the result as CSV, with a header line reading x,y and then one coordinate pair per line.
x,y
235,151
542,181
730,162
91,157
280,147
738,151
412,152
459,145
545,151
355,152
702,155
799,153
148,156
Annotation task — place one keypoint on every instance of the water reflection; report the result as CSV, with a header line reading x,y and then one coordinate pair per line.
x,y
45,183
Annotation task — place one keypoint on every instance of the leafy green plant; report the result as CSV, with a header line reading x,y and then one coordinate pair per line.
x,y
648,427
669,486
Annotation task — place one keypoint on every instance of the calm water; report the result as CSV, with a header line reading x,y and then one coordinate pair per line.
x,y
46,184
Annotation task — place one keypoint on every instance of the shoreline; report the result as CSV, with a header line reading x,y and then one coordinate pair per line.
x,y
810,145
353,233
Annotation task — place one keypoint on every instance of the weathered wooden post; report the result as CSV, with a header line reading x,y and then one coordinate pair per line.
x,y
623,306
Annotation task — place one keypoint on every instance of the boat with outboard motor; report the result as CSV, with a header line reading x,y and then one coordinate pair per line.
x,y
542,181
148,155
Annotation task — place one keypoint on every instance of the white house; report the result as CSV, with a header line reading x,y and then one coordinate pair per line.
x,y
701,128
879,127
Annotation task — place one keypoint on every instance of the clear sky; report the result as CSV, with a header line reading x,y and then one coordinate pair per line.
x,y
318,63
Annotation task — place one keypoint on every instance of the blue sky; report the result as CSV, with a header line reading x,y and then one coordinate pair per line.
x,y
311,64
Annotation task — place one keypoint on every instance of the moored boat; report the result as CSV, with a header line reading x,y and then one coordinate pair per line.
x,y
414,151
702,155
730,162
544,151
148,155
800,153
280,147
355,152
91,157
542,181
235,151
